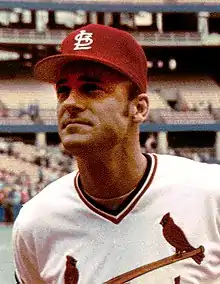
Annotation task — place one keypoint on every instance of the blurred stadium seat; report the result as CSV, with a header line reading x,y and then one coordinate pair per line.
x,y
201,99
157,102
14,93
187,117
19,166
184,82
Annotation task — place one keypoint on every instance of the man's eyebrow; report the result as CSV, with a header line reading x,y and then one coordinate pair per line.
x,y
84,78
90,79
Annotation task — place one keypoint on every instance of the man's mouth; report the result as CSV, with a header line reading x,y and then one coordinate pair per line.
x,y
76,122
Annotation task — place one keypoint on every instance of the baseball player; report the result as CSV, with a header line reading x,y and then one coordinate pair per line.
x,y
122,216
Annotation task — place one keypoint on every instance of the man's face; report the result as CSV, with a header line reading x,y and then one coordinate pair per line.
x,y
92,107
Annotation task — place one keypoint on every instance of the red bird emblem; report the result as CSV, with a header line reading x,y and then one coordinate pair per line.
x,y
176,238
71,275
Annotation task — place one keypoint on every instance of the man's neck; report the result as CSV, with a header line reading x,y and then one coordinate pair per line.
x,y
112,176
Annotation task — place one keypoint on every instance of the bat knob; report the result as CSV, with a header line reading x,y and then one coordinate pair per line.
x,y
202,248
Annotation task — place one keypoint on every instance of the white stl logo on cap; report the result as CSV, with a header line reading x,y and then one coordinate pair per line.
x,y
83,40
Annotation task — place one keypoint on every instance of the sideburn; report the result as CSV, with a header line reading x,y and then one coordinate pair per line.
x,y
133,92
126,109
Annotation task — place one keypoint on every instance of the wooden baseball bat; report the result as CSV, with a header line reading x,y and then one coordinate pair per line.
x,y
127,276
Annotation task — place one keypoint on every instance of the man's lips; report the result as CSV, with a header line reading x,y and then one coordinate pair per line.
x,y
76,121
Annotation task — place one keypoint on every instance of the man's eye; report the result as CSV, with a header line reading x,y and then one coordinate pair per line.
x,y
63,90
89,88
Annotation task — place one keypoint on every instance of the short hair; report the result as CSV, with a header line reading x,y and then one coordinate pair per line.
x,y
133,91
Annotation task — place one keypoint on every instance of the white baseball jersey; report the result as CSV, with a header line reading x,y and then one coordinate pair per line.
x,y
63,221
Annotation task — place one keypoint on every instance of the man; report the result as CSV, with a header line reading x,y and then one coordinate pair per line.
x,y
121,210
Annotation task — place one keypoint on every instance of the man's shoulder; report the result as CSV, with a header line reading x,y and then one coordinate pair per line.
x,y
177,162
36,209
174,163
189,172
56,188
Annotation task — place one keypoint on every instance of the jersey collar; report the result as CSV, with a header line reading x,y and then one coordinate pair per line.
x,y
129,203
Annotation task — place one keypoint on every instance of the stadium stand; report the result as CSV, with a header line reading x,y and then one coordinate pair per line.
x,y
16,121
27,169
19,167
183,82
202,99
157,102
157,105
197,99
14,93
188,117
29,103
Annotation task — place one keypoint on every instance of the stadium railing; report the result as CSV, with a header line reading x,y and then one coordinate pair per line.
x,y
55,36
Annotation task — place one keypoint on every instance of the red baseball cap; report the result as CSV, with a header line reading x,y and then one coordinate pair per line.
x,y
99,43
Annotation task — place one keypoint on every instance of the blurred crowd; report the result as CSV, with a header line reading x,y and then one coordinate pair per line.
x,y
25,170
3,110
32,112
204,155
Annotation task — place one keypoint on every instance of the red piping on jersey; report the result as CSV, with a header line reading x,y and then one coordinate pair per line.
x,y
117,219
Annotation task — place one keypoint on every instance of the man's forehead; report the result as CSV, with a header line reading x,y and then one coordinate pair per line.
x,y
89,69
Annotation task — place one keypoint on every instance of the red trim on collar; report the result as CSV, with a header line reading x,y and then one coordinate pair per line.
x,y
124,212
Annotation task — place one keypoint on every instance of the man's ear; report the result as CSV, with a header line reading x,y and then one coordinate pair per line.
x,y
140,108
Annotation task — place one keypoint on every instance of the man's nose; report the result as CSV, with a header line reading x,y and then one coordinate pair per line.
x,y
74,102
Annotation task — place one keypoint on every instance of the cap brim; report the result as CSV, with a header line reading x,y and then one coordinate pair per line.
x,y
48,69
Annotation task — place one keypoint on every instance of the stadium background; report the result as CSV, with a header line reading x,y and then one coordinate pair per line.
x,y
182,42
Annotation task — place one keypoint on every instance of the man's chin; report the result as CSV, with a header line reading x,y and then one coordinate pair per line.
x,y
76,143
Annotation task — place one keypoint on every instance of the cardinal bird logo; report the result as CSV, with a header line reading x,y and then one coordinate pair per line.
x,y
176,238
71,275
